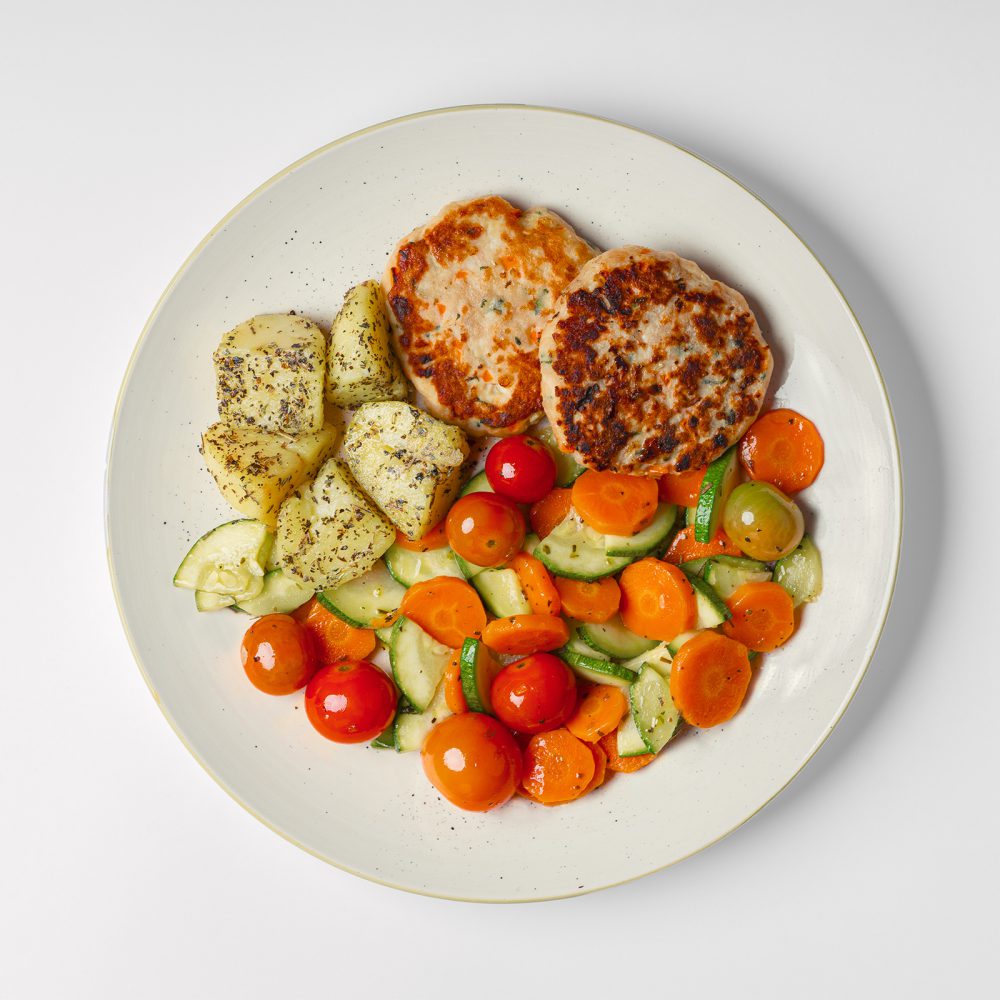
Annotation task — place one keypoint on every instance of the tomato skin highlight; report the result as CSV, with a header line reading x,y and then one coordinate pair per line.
x,y
535,694
278,655
485,528
351,701
473,761
521,468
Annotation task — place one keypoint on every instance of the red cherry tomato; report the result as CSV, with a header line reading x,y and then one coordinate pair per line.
x,y
472,760
485,528
351,701
277,654
521,468
535,694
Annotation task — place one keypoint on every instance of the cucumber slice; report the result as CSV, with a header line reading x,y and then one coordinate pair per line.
x,y
477,484
712,610
280,595
478,667
675,644
720,479
577,552
576,645
568,470
228,559
410,728
470,570
801,572
646,541
659,658
653,711
694,567
501,592
612,638
367,599
386,740
384,635
597,669
418,662
630,741
409,567
726,574
204,601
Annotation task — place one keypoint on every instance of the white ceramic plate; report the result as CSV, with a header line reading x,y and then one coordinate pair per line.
x,y
299,242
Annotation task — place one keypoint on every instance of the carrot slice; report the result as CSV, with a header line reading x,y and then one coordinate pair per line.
x,y
445,607
598,713
783,448
658,601
685,547
622,765
537,584
434,539
333,639
557,767
523,634
546,513
682,488
600,767
454,696
763,616
709,679
589,601
615,503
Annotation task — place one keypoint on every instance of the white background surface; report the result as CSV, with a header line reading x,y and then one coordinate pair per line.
x,y
129,130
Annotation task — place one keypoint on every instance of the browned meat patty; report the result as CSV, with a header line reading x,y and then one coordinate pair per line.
x,y
468,294
650,366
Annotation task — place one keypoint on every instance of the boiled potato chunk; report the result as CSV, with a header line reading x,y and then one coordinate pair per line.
x,y
270,372
409,463
328,533
255,470
361,367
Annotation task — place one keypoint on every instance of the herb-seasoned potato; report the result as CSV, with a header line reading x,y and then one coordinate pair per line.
x,y
407,462
255,470
270,373
328,532
361,367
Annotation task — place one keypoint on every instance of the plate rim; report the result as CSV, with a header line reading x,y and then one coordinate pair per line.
x,y
321,150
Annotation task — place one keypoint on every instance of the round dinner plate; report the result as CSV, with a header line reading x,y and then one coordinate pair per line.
x,y
299,242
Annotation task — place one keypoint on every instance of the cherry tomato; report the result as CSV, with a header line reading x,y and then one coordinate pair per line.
x,y
485,528
473,761
521,468
277,654
351,701
535,694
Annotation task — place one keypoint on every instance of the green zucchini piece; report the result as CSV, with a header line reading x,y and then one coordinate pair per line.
x,y
801,572
720,479
418,662
365,600
478,667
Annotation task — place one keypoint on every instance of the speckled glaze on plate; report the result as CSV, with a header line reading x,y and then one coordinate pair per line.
x,y
299,242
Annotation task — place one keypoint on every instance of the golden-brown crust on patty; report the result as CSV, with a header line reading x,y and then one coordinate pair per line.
x,y
649,366
468,294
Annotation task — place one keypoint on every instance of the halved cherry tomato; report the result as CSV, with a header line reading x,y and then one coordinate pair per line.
x,y
521,468
351,701
485,528
472,760
535,694
277,654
